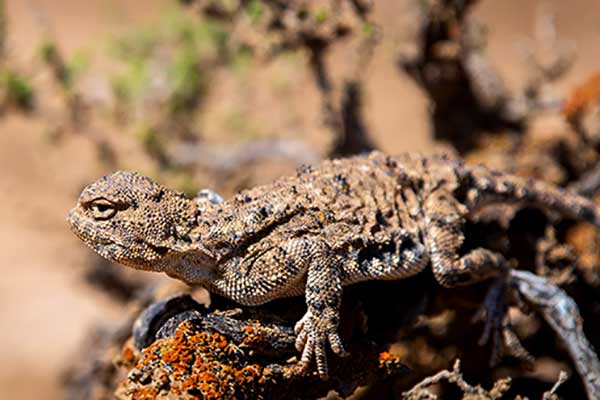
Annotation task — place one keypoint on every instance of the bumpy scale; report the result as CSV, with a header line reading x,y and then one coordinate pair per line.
x,y
362,218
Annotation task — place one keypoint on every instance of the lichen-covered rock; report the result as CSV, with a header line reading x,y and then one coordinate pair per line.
x,y
198,364
193,365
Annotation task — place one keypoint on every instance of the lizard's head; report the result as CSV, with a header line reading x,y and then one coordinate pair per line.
x,y
128,218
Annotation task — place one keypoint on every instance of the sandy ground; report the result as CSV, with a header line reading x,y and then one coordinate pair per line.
x,y
45,309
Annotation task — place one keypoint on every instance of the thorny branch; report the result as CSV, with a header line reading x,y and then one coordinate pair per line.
x,y
420,392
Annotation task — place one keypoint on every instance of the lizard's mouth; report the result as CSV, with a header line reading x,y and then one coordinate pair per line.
x,y
86,230
113,243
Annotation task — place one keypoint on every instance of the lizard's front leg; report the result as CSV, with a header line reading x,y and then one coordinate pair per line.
x,y
298,266
318,329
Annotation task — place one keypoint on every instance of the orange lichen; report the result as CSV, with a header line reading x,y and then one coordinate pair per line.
x,y
256,334
145,394
128,356
583,95
196,364
385,356
388,361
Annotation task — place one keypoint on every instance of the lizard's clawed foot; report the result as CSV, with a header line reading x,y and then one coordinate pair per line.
x,y
494,313
314,333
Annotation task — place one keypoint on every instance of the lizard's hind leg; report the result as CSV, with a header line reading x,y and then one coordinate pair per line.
x,y
444,220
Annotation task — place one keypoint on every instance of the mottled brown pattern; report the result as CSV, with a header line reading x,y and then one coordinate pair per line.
x,y
362,218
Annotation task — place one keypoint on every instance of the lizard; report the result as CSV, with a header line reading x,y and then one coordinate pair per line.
x,y
368,217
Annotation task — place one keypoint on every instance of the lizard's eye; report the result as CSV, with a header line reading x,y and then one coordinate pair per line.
x,y
102,209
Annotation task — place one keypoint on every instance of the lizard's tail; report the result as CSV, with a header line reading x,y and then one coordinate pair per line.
x,y
486,187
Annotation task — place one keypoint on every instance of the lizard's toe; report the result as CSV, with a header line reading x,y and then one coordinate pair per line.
x,y
336,344
497,327
307,356
315,349
301,340
314,335
321,359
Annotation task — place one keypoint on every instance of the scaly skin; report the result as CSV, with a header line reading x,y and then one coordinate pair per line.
x,y
362,218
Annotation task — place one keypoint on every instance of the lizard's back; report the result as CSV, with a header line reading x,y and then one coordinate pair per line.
x,y
362,201
354,201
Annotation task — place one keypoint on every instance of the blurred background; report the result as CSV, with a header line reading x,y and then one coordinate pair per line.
x,y
229,94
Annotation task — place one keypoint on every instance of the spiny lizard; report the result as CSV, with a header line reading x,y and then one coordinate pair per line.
x,y
349,220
